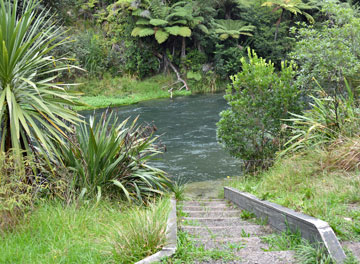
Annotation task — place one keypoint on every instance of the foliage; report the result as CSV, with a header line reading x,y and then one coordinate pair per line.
x,y
329,53
34,107
258,98
109,157
328,119
162,20
143,233
16,195
263,40
307,253
232,28
91,51
227,60
286,240
84,233
322,192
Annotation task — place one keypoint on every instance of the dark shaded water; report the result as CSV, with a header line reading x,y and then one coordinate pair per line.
x,y
188,125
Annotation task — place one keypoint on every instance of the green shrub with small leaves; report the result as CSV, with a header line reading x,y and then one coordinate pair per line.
x,y
259,98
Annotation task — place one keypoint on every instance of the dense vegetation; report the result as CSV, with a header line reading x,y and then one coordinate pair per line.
x,y
291,71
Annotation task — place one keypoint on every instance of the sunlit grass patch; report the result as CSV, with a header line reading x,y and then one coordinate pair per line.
x,y
124,91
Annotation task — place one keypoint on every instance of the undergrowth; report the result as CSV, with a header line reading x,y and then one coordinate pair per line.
x,y
105,232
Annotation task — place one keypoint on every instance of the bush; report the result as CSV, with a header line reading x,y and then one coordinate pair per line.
x,y
17,195
109,157
258,98
330,53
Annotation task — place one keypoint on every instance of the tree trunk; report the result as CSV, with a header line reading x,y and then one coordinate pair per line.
x,y
183,49
278,24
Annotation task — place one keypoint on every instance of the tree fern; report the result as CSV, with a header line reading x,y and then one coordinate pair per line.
x,y
158,22
161,36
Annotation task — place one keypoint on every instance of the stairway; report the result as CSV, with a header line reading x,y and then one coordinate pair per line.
x,y
216,224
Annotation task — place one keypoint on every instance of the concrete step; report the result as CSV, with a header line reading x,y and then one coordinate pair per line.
x,y
209,208
204,203
217,232
217,221
259,257
234,244
217,213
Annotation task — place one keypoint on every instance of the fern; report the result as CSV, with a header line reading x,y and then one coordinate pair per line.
x,y
158,22
185,32
143,22
146,32
135,31
161,36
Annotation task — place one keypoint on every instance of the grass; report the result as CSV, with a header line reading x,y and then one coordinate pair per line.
x,y
304,184
117,91
102,233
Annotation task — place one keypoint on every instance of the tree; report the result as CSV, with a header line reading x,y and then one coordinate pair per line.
x,y
232,28
34,108
162,21
292,6
329,53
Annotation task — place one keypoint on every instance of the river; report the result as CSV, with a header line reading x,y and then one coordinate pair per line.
x,y
187,126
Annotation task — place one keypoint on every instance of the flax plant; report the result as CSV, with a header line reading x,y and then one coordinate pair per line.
x,y
34,108
109,156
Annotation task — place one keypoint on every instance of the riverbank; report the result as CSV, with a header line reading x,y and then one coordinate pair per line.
x,y
117,91
311,184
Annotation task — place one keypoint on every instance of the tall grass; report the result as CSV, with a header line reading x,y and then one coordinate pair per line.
x,y
142,234
303,183
85,234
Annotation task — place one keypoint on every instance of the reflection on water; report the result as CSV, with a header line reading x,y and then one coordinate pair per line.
x,y
188,128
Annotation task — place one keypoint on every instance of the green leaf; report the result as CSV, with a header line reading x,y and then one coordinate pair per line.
x,y
161,36
145,32
158,22
185,32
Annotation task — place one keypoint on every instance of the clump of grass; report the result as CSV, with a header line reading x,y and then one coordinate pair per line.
x,y
178,188
246,215
344,154
307,253
143,233
286,240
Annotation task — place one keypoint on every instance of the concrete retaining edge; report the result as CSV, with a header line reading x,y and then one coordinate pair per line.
x,y
279,217
171,239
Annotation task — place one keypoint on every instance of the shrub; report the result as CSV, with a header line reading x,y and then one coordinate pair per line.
x,y
109,157
330,53
258,99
